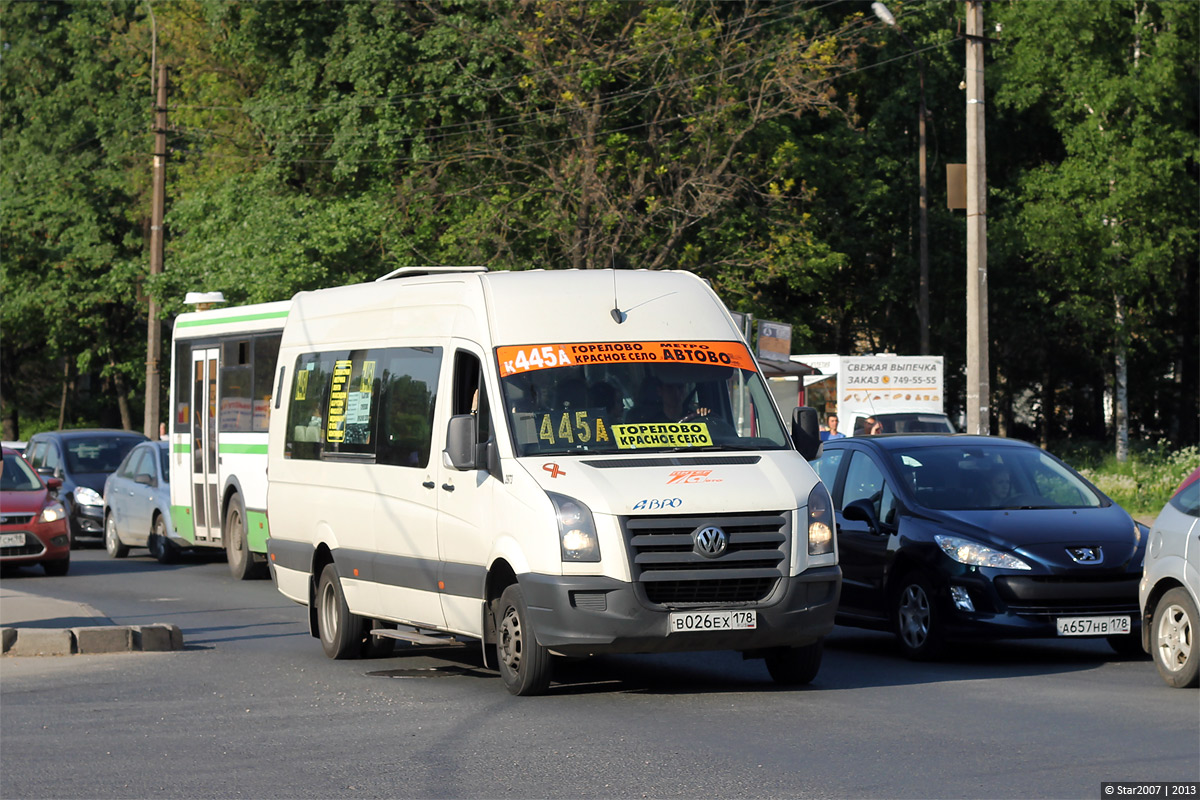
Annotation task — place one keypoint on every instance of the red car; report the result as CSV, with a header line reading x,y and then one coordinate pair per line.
x,y
33,524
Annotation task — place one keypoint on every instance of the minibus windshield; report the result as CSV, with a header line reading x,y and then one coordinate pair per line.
x,y
624,397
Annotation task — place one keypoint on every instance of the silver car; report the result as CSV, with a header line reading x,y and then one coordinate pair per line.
x,y
137,504
1170,589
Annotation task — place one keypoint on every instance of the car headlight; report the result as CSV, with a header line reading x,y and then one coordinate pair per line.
x,y
52,513
576,532
820,521
88,497
965,551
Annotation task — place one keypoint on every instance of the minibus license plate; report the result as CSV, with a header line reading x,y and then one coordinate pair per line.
x,y
713,621
1092,626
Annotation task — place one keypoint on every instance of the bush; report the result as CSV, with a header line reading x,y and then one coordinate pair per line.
x,y
1141,485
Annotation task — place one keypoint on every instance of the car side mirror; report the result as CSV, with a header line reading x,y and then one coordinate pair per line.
x,y
53,484
806,432
461,451
862,511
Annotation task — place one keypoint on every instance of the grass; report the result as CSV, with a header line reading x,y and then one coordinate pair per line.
x,y
1141,485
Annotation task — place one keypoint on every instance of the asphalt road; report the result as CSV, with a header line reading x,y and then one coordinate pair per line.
x,y
252,708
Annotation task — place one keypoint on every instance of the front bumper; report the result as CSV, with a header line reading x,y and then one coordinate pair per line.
x,y
1027,606
87,522
588,615
43,542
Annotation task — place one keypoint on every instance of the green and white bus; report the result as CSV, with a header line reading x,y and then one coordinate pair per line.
x,y
222,370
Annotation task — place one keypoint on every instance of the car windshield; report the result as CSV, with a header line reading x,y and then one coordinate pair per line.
x,y
17,475
636,396
97,454
972,476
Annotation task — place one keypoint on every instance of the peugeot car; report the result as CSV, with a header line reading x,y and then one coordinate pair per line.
x,y
953,537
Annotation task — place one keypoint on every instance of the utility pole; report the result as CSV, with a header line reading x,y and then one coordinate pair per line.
x,y
158,206
978,392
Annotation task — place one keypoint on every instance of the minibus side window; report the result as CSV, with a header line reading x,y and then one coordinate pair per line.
x,y
409,381
470,395
306,421
352,407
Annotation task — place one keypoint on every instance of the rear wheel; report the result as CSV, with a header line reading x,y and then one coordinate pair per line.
x,y
341,632
112,539
795,666
159,545
1173,639
916,621
525,665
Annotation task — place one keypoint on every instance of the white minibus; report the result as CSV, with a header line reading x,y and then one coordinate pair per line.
x,y
553,463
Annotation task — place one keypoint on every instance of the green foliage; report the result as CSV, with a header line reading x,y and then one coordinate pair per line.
x,y
1141,485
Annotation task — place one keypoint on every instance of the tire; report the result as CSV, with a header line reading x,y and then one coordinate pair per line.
x,y
159,545
525,665
242,565
112,539
378,646
57,568
1173,639
341,632
795,666
1128,645
916,619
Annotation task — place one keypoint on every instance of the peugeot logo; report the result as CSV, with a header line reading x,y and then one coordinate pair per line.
x,y
711,541
1085,555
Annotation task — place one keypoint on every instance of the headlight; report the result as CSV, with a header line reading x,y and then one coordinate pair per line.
x,y
576,531
52,513
88,497
820,521
965,551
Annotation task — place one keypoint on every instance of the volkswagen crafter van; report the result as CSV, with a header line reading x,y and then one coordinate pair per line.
x,y
548,462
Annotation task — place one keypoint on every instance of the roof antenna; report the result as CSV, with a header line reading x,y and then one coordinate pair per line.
x,y
618,315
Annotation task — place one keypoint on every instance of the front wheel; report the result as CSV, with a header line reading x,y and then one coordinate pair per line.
x,y
525,665
916,621
112,539
341,632
795,666
159,545
242,565
57,568
1173,639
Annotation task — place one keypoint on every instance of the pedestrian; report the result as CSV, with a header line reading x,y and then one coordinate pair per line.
x,y
832,422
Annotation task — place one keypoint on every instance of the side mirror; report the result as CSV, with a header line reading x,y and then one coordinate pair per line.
x,y
461,451
806,432
862,511
54,484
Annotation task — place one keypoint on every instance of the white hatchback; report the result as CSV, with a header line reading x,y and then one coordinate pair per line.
x,y
1170,589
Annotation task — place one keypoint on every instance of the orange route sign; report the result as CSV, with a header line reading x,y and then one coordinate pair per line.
x,y
514,360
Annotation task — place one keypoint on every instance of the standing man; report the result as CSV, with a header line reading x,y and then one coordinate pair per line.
x,y
832,433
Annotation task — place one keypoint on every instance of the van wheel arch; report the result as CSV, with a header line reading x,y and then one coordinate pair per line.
x,y
321,557
500,576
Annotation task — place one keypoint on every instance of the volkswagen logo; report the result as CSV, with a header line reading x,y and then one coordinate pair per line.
x,y
1085,555
711,541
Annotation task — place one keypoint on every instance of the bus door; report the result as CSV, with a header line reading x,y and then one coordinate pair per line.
x,y
206,517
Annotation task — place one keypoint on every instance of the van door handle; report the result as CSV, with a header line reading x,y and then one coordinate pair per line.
x,y
429,484
449,487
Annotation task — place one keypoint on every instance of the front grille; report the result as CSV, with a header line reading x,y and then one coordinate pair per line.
x,y
1053,595
32,547
671,573
16,519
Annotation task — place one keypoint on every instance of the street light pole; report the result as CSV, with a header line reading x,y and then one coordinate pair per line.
x,y
881,11
978,390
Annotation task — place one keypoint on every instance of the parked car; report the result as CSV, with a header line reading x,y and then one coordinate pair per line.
x,y
33,523
1170,589
82,459
948,537
137,504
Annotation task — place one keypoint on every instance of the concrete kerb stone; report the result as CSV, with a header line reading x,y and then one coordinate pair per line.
x,y
91,640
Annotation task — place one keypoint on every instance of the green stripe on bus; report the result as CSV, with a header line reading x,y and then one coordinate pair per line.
x,y
195,323
181,518
256,531
181,447
244,449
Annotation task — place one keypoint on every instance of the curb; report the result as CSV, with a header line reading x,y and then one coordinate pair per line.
x,y
91,640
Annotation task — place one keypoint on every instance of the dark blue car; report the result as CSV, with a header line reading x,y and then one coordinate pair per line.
x,y
960,537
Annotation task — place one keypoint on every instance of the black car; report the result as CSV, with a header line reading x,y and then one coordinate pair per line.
x,y
82,459
945,537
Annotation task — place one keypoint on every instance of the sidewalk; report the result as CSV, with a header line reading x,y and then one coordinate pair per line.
x,y
32,625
